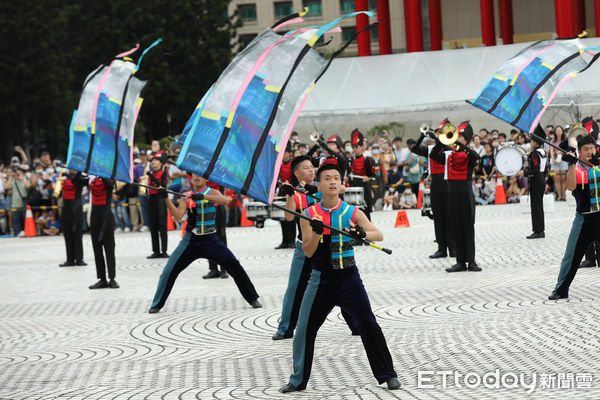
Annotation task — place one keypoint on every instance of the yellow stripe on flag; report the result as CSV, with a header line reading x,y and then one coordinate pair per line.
x,y
271,88
550,67
501,78
313,40
210,115
229,119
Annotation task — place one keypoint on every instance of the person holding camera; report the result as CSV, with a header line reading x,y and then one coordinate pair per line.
x,y
20,184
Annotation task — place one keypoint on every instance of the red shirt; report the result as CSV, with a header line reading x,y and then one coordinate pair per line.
x,y
458,166
157,178
98,190
69,190
285,172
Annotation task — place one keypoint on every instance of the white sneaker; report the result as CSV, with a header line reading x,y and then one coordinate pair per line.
x,y
118,230
21,234
127,230
144,229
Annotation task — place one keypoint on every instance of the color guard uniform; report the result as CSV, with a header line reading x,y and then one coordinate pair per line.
x,y
157,213
71,218
537,184
102,229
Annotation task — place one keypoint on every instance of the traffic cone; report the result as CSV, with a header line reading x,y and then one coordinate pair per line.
x,y
30,229
245,221
402,219
500,193
420,195
170,224
183,228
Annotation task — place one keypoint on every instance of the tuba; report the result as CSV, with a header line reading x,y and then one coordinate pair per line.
x,y
575,132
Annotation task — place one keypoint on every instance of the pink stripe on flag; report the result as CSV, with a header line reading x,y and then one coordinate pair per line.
x,y
128,52
282,149
296,20
531,59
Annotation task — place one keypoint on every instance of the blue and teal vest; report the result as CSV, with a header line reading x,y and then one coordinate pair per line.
x,y
302,202
335,250
201,214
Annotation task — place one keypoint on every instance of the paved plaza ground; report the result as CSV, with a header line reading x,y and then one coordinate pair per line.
x,y
60,340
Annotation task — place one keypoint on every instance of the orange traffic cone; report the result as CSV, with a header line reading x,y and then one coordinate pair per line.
x,y
183,228
30,229
170,224
245,221
500,193
402,219
420,195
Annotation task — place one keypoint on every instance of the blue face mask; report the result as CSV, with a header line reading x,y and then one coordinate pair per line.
x,y
375,151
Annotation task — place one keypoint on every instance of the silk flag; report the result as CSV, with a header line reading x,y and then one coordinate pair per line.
x,y
524,86
101,131
237,134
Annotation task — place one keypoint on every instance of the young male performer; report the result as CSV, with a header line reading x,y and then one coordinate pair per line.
x,y
537,183
335,280
439,197
71,218
362,166
200,241
461,202
586,225
102,232
304,174
156,207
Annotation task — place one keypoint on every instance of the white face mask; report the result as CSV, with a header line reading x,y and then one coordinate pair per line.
x,y
349,149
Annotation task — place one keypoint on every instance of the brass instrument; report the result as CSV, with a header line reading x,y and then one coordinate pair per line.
x,y
316,137
58,184
144,179
448,134
575,132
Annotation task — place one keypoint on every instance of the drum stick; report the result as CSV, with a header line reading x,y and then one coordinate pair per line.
x,y
361,177
365,241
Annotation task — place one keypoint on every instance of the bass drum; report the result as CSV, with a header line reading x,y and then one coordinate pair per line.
x,y
510,159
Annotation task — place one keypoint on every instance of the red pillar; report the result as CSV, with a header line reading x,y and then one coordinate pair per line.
x,y
597,17
362,21
564,12
579,8
506,21
385,34
435,24
488,33
413,25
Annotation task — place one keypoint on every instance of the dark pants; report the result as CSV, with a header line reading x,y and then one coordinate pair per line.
x,y
157,212
190,249
18,220
441,213
536,199
288,232
593,252
461,207
72,225
343,288
585,229
298,280
221,224
103,237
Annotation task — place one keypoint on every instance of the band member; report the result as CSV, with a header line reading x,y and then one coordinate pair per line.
x,y
362,170
537,182
439,197
288,228
460,163
221,225
102,232
586,225
335,156
335,280
157,210
200,241
299,200
71,218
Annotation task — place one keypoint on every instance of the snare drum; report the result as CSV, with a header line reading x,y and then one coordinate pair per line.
x,y
355,196
510,159
276,213
257,211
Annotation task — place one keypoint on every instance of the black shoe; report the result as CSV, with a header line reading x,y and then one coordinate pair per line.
x,y
67,264
224,274
587,264
256,304
153,310
439,254
80,263
113,284
393,383
458,267
281,246
537,235
277,336
154,255
556,296
288,388
212,274
101,284
164,254
473,267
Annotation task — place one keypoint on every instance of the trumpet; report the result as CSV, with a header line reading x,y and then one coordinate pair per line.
x,y
426,130
316,137
575,132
